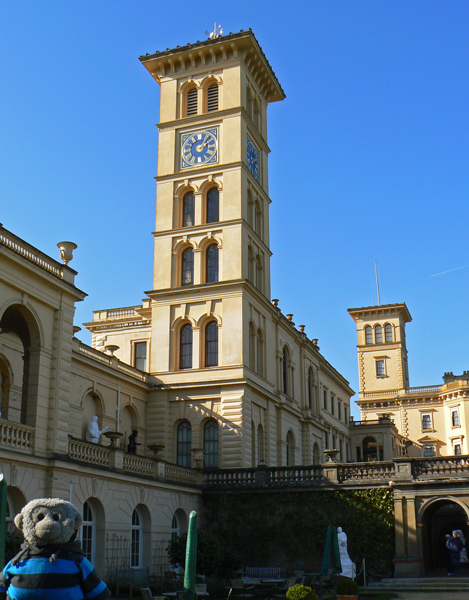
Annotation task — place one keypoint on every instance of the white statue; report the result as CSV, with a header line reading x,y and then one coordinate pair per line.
x,y
93,433
348,567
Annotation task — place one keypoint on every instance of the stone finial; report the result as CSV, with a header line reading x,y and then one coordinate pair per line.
x,y
275,302
66,251
302,328
290,316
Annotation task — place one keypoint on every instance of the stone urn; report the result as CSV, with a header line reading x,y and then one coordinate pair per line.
x,y
330,455
198,456
113,436
155,448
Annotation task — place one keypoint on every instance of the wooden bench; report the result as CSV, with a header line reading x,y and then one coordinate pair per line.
x,y
132,579
263,572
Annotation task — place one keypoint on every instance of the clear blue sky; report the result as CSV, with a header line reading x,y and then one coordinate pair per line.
x,y
369,154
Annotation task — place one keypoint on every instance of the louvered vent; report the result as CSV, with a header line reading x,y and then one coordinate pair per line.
x,y
192,102
212,98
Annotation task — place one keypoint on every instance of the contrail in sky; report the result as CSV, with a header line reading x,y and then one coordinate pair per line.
x,y
450,271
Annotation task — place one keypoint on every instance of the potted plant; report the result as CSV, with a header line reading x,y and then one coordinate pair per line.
x,y
301,592
346,589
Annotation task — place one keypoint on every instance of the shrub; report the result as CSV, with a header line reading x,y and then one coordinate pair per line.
x,y
346,587
301,592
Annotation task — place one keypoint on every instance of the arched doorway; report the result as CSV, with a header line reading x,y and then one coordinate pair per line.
x,y
371,450
439,519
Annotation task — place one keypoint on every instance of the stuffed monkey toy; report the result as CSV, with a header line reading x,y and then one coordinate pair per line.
x,y
51,564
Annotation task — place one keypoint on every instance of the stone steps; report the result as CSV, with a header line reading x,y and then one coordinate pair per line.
x,y
423,584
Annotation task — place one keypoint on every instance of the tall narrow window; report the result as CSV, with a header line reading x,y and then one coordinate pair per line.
x,y
212,97
140,355
213,201
285,370
380,369
175,528
252,347
260,353
260,444
325,399
88,533
183,450
187,267
211,344
191,108
136,541
290,449
211,259
211,444
378,334
332,404
455,417
188,209
368,335
388,333
345,414
185,349
426,421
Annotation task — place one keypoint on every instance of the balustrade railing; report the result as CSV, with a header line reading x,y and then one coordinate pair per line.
x,y
365,472
440,466
180,474
16,435
109,361
230,478
138,465
11,241
89,453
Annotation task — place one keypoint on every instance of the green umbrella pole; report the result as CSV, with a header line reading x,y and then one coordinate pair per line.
x,y
191,558
3,515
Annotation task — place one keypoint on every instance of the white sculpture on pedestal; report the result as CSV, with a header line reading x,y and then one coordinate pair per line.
x,y
93,433
348,567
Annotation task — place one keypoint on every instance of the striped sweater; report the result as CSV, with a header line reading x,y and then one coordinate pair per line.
x,y
52,573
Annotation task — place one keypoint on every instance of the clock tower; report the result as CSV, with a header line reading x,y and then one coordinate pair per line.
x,y
211,283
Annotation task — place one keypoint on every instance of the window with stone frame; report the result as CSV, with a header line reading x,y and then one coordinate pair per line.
x,y
183,444
211,344
185,347
426,421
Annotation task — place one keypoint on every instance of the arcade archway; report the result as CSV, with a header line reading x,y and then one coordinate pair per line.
x,y
440,518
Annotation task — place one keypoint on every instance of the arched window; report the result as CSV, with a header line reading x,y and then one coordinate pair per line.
x,y
290,449
260,273
191,102
260,353
185,347
211,344
88,535
252,347
187,267
253,444
249,102
368,335
316,459
252,266
378,334
211,263
175,528
251,210
188,209
212,97
388,333
260,444
258,224
310,384
183,450
213,201
285,362
211,444
136,540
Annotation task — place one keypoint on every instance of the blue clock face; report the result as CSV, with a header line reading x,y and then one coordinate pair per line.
x,y
199,148
253,159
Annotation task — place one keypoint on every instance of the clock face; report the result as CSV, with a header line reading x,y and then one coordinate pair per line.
x,y
199,148
253,159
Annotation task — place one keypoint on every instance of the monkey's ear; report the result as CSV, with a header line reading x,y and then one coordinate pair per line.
x,y
78,520
19,521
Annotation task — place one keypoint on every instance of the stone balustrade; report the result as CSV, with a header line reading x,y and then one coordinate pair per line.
x,y
138,465
16,435
89,453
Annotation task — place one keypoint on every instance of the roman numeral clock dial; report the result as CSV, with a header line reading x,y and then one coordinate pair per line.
x,y
199,148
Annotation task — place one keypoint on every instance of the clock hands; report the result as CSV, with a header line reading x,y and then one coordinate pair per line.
x,y
200,147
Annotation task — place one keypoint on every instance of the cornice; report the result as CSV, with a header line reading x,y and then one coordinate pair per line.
x,y
232,48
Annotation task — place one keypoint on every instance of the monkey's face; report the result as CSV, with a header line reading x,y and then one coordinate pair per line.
x,y
48,523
